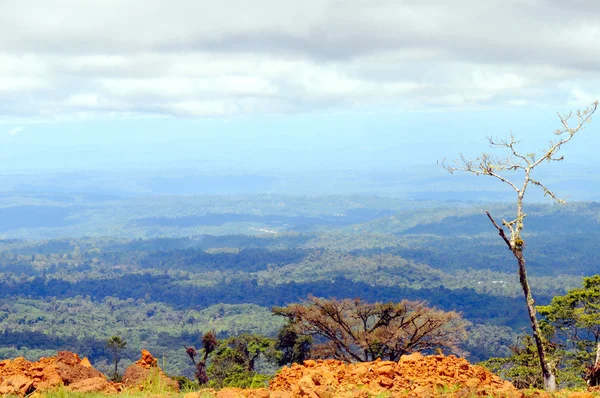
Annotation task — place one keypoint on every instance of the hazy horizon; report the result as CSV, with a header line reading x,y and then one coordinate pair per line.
x,y
275,89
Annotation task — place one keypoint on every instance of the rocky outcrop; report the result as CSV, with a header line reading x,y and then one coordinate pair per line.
x,y
145,373
21,377
413,375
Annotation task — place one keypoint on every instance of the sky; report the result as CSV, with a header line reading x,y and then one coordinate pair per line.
x,y
239,85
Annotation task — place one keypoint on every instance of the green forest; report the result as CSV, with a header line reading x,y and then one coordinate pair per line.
x,y
162,272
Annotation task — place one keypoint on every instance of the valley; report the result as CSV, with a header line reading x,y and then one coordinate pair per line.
x,y
161,271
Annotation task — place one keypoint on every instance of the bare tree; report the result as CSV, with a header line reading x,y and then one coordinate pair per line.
x,y
524,163
359,331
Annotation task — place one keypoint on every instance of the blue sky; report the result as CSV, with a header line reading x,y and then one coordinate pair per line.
x,y
279,85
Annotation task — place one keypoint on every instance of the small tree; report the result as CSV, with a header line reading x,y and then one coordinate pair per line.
x,y
116,345
525,163
359,331
209,343
234,361
294,347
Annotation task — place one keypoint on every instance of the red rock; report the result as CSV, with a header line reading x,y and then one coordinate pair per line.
x,y
581,394
415,356
147,360
94,384
145,370
422,375
386,368
17,384
86,362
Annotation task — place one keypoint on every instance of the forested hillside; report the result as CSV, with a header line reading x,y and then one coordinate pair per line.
x,y
160,271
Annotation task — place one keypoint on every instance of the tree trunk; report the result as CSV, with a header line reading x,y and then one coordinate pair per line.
x,y
116,372
593,375
549,378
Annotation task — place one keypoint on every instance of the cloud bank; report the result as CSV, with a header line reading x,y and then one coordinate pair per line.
x,y
15,131
234,57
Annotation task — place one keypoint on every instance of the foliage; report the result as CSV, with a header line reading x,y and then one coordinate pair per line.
x,y
160,293
185,384
571,329
234,361
294,347
486,341
358,331
154,384
576,315
576,318
209,343
522,366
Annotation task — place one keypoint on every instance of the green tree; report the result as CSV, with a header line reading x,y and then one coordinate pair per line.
x,y
294,347
525,163
234,361
115,346
486,341
520,368
576,318
354,330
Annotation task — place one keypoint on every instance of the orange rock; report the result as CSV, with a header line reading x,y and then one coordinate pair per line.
x,y
280,394
386,382
472,382
581,394
147,360
360,370
230,393
386,368
203,393
144,370
86,362
421,375
415,356
17,384
94,384
258,393
22,377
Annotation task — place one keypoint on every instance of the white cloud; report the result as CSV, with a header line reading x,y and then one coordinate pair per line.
x,y
201,58
579,97
15,131
517,102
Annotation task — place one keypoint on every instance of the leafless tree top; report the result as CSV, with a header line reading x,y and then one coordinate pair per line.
x,y
515,160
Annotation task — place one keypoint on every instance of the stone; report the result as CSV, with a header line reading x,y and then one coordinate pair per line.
x,y
386,368
414,357
17,384
94,384
86,363
147,360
